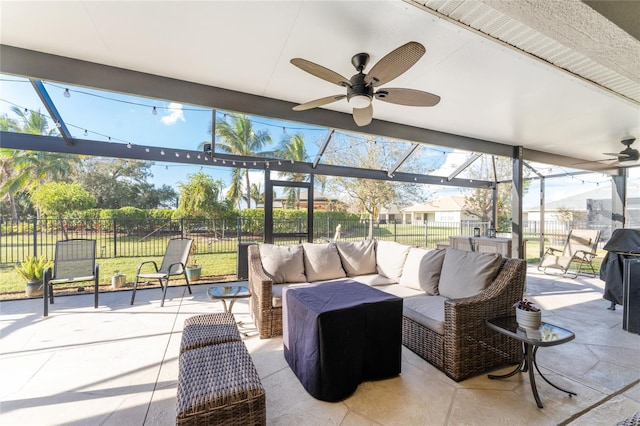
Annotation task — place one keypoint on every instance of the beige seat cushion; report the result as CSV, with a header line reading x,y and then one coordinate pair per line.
x,y
390,257
466,273
400,290
322,262
283,264
426,310
421,270
373,279
358,257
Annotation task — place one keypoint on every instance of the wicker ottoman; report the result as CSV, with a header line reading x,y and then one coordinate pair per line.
x,y
219,385
209,329
631,421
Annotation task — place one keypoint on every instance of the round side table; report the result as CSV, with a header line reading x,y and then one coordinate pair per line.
x,y
232,293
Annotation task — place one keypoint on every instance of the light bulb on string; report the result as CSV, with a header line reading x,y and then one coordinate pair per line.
x,y
66,93
146,150
86,133
154,111
162,152
129,145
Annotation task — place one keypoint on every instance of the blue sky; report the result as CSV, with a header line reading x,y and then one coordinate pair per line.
x,y
127,119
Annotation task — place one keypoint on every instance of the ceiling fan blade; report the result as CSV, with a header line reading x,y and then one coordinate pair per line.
x,y
617,154
318,102
321,72
395,63
363,116
409,97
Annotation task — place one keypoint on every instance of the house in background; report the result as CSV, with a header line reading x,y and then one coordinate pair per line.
x,y
320,202
590,209
445,209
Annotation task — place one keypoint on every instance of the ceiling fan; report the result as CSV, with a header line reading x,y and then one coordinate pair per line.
x,y
628,154
361,88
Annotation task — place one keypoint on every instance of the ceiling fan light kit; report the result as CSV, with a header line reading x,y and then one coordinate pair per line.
x,y
360,87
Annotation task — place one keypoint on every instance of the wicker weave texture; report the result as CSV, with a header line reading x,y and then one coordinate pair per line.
x,y
268,319
219,385
209,329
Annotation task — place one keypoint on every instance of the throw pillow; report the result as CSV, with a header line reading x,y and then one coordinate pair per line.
x,y
322,262
283,264
422,270
466,273
358,257
390,257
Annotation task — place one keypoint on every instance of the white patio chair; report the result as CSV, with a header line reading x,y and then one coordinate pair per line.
x,y
75,261
173,264
579,247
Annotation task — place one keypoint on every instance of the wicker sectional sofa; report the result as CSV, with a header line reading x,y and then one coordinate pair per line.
x,y
447,294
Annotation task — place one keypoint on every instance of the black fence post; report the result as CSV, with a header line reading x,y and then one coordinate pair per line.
x,y
239,229
115,238
395,231
35,236
426,233
181,227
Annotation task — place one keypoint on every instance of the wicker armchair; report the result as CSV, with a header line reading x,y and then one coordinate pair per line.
x,y
267,318
468,347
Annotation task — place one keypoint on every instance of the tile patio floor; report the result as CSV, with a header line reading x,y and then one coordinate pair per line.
x,y
117,365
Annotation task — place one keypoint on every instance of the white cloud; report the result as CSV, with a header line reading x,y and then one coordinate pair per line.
x,y
174,114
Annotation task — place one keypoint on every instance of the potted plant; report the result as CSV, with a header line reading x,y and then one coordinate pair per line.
x,y
193,270
528,315
32,270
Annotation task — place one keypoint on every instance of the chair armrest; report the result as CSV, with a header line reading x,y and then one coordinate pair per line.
x,y
551,250
171,266
260,285
585,255
155,266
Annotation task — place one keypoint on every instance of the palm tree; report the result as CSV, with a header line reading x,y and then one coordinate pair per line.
x,y
238,137
23,170
292,148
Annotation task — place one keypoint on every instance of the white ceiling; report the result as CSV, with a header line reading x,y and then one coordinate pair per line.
x,y
489,90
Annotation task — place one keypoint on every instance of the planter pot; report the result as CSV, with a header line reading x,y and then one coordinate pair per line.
x,y
193,272
34,288
118,281
527,319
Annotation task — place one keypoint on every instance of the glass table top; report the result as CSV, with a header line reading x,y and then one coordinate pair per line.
x,y
228,292
546,335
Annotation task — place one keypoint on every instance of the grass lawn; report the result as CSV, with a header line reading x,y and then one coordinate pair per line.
x,y
215,267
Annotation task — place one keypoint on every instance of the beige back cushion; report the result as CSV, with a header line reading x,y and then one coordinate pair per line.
x,y
358,257
466,273
422,270
283,264
390,257
322,262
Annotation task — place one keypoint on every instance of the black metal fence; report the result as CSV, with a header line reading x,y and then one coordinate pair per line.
x,y
148,237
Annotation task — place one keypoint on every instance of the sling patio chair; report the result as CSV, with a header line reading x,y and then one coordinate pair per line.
x,y
579,247
75,261
173,263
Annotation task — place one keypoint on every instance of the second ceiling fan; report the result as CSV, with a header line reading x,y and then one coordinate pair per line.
x,y
361,88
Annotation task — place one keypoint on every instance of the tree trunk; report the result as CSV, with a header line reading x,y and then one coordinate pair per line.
x,y
371,226
246,174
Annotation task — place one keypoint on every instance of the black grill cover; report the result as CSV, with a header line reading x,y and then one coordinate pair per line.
x,y
623,244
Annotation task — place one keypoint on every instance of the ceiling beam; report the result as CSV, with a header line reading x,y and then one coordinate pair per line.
x,y
53,111
184,156
61,69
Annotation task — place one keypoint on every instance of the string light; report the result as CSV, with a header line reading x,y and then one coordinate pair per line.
x,y
86,133
162,152
129,145
154,111
66,93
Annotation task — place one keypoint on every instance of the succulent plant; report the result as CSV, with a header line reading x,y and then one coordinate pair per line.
x,y
526,305
32,269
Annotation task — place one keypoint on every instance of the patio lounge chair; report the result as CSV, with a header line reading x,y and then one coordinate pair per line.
x,y
75,261
173,263
579,247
